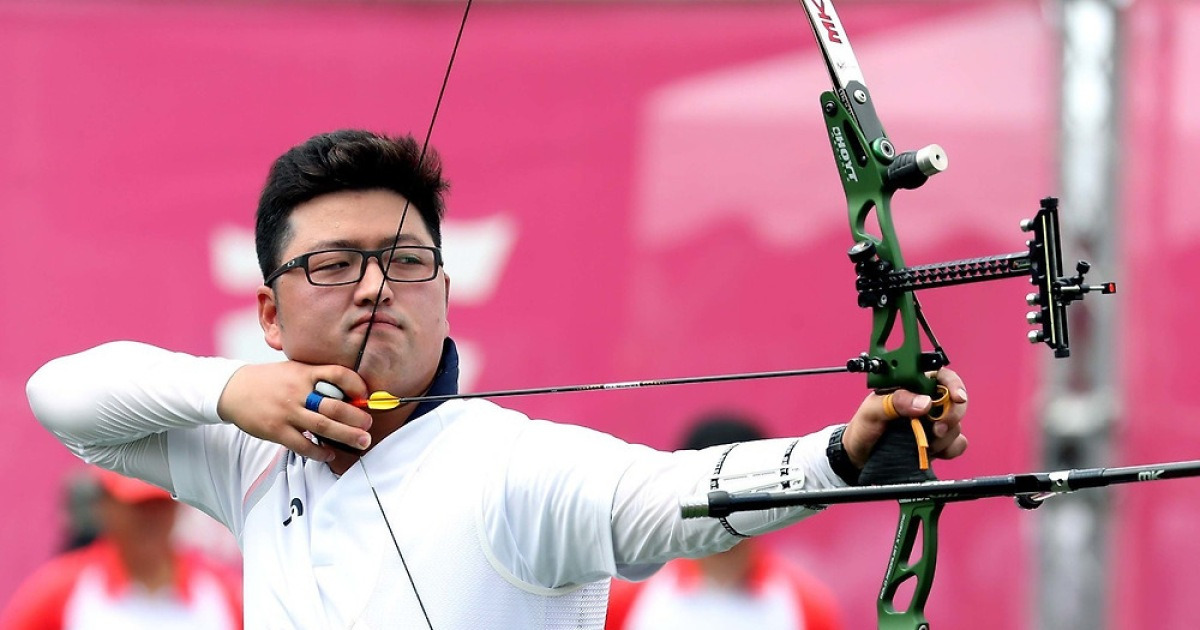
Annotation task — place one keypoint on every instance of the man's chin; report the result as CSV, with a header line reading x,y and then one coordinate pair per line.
x,y
380,375
345,358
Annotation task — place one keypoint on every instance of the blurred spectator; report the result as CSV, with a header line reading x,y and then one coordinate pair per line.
x,y
82,492
131,576
748,586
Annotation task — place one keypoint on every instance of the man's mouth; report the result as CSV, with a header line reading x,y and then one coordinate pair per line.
x,y
379,319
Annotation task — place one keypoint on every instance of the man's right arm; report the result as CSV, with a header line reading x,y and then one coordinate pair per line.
x,y
113,404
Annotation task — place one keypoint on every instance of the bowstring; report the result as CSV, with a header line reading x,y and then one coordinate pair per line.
x,y
379,294
437,107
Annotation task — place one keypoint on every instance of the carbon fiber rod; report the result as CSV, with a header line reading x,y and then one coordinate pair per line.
x,y
1031,489
687,380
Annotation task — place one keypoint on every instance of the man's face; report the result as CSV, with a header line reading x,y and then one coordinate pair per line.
x,y
326,325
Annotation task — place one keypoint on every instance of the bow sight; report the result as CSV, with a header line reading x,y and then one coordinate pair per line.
x,y
879,283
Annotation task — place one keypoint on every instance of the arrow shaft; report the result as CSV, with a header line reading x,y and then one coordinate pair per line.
x,y
687,380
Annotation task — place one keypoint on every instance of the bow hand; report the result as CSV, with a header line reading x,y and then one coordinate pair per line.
x,y
882,438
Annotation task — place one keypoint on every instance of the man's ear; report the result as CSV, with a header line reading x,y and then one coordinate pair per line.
x,y
446,279
268,317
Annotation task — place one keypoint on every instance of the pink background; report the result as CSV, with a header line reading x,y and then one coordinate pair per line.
x,y
669,208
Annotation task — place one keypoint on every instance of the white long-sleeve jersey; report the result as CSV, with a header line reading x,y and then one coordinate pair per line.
x,y
503,521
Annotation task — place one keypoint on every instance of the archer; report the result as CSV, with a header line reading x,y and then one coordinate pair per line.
x,y
496,520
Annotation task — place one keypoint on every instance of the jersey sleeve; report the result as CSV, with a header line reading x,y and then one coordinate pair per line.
x,y
214,468
548,514
149,413
648,528
579,505
123,396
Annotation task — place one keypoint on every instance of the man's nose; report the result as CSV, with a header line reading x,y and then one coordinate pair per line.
x,y
378,264
372,281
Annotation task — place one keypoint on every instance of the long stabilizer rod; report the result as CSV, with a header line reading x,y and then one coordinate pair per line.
x,y
1030,489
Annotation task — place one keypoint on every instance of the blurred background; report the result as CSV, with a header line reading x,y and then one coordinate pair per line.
x,y
644,190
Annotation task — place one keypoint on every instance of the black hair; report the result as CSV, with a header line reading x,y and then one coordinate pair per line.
x,y
348,159
721,428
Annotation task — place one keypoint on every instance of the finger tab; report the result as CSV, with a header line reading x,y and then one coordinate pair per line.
x,y
325,388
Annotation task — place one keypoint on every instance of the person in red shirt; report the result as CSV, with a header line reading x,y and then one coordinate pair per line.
x,y
132,576
748,586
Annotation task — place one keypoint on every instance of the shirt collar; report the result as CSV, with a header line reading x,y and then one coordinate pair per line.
x,y
445,380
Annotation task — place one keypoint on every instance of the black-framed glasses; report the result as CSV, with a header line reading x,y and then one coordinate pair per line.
x,y
336,267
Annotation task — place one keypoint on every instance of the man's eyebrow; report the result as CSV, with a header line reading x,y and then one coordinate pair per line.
x,y
405,239
334,244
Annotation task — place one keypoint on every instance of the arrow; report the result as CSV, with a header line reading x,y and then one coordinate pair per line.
x,y
384,401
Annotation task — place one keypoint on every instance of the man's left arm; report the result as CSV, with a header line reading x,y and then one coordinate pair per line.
x,y
575,505
580,505
648,528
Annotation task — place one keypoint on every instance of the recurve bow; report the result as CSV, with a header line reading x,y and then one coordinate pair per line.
x,y
871,171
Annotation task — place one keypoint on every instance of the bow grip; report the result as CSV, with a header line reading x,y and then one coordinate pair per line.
x,y
897,456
